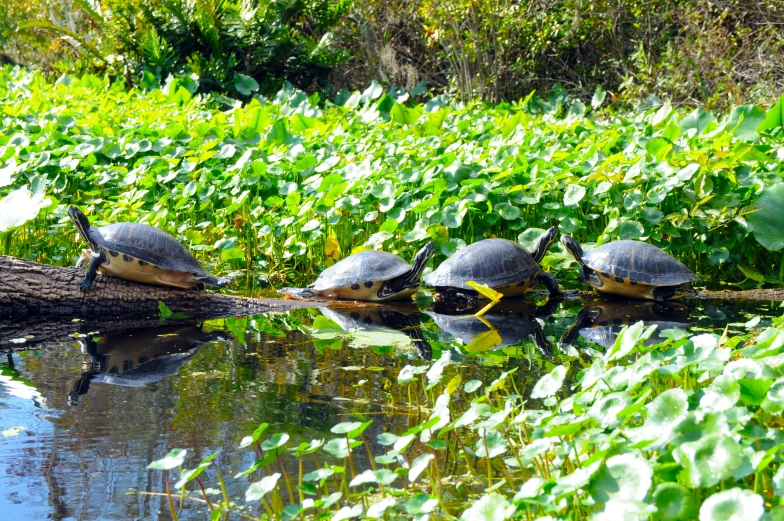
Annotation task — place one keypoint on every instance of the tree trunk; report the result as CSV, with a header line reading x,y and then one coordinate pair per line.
x,y
27,287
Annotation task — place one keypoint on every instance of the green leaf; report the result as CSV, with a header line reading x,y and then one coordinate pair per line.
x,y
774,116
626,477
404,115
259,489
735,504
550,383
708,460
418,466
628,338
493,444
275,442
472,385
490,507
376,510
574,194
774,399
744,121
753,391
766,221
245,85
631,230
664,414
318,475
698,119
21,206
674,502
598,97
172,460
508,211
606,410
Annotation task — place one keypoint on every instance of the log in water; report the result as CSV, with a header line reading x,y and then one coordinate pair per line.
x,y
28,287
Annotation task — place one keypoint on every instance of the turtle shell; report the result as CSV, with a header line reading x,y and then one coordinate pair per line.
x,y
638,262
361,269
496,263
148,244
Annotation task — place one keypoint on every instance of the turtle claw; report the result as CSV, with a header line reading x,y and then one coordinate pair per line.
x,y
85,285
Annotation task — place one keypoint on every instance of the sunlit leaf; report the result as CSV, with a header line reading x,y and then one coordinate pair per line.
x,y
735,504
766,221
491,507
174,459
550,383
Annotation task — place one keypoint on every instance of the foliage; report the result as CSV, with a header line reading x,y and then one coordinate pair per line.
x,y
684,428
282,188
218,42
694,51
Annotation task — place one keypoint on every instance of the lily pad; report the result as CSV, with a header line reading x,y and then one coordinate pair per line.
x,y
766,221
735,504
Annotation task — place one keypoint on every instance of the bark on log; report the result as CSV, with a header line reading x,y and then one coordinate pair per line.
x,y
27,287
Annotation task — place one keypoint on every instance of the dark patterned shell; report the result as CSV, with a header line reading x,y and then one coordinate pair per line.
x,y
492,262
638,262
362,267
149,244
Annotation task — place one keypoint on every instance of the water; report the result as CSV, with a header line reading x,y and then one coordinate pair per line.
x,y
89,404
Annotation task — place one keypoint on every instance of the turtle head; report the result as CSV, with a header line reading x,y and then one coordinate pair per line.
x,y
543,244
420,260
573,248
82,225
410,279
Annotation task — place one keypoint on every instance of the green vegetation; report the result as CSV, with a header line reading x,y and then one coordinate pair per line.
x,y
695,52
686,428
281,188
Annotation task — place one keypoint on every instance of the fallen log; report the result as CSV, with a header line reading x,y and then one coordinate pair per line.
x,y
28,287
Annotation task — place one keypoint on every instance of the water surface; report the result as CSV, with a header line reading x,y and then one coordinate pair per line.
x,y
89,404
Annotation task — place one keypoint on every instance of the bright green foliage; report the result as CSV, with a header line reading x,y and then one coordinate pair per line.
x,y
280,189
663,454
237,47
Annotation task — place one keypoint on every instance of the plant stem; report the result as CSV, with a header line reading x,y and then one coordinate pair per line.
x,y
222,485
169,497
204,493
286,478
487,457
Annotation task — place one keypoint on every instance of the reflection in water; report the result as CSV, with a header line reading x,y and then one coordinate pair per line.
x,y
509,322
601,321
60,462
138,357
401,317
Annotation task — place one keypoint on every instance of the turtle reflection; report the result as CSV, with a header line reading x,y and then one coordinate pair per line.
x,y
138,357
509,322
400,317
601,321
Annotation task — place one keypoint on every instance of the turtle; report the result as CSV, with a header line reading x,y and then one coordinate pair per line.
x,y
503,265
602,321
514,320
381,317
368,275
632,269
138,252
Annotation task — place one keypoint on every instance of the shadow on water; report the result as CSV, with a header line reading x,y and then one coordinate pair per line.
x,y
141,388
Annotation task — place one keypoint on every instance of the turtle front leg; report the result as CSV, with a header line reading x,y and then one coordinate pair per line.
x,y
92,270
471,298
664,293
549,282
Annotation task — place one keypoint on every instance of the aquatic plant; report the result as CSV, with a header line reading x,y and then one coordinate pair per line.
x,y
687,428
280,188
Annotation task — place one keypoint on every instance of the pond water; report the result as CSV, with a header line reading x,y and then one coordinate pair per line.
x,y
87,405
